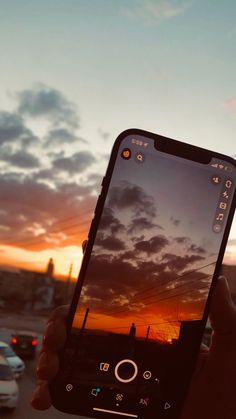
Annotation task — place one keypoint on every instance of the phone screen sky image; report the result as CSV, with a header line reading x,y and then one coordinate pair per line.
x,y
149,274
156,245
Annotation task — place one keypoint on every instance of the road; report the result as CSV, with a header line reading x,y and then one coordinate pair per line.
x,y
28,380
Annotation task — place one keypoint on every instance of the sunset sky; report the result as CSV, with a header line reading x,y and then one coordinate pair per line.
x,y
155,250
73,76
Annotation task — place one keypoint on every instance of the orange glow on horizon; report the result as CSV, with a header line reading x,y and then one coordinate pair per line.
x,y
63,257
63,244
163,331
164,323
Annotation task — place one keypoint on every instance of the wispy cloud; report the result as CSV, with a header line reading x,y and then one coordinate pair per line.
x,y
231,105
155,11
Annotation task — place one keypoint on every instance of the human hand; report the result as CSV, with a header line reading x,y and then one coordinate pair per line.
x,y
212,391
48,363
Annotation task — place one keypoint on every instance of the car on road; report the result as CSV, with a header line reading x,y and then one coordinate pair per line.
x,y
9,391
24,343
16,364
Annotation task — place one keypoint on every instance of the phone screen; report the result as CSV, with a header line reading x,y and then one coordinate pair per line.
x,y
147,282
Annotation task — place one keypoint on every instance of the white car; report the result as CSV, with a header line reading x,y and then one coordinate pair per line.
x,y
8,387
16,364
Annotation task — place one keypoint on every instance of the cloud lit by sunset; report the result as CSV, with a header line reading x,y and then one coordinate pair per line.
x,y
49,193
58,121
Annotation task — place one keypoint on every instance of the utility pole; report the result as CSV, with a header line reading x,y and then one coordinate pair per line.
x,y
85,319
147,334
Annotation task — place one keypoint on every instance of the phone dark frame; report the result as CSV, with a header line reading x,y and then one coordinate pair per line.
x,y
166,145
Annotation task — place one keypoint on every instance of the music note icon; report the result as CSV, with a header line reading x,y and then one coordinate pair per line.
x,y
220,217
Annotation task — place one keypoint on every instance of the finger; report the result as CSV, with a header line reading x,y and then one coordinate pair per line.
x,y
84,244
204,348
41,398
48,365
55,335
60,312
201,362
222,310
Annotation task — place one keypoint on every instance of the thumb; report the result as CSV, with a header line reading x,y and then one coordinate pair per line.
x,y
222,310
84,244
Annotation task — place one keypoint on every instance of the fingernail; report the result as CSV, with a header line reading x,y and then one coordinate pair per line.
x,y
43,362
43,359
49,330
222,279
35,395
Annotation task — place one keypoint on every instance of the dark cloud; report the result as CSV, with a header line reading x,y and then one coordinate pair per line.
x,y
153,245
56,154
21,159
94,178
26,204
78,191
75,164
133,197
179,263
46,174
62,136
142,283
182,240
13,129
113,273
142,223
190,275
150,271
104,134
110,243
110,222
43,101
137,238
95,294
174,221
196,249
129,255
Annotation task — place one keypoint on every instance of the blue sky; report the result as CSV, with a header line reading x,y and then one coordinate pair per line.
x,y
125,66
162,65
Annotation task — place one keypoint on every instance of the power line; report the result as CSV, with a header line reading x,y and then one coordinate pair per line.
x,y
176,278
164,292
163,281
87,212
140,325
39,239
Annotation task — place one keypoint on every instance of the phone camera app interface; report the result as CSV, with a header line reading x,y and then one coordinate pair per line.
x,y
126,153
147,282
140,157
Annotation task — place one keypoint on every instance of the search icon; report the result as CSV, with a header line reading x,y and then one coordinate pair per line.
x,y
140,157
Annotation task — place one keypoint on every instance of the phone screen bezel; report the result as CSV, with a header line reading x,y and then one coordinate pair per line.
x,y
173,147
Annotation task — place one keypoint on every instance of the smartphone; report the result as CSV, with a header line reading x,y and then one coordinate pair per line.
x,y
153,256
